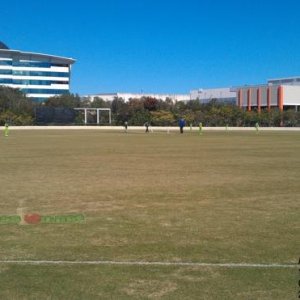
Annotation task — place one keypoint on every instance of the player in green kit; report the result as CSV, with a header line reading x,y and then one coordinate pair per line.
x,y
6,129
200,128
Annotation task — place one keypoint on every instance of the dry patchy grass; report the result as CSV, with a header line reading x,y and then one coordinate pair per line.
x,y
219,197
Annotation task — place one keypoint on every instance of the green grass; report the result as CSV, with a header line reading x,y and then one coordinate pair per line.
x,y
230,197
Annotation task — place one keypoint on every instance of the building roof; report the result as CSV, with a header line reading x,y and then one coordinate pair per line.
x,y
35,56
3,46
284,78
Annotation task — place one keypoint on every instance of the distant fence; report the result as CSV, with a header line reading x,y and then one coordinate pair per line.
x,y
47,115
55,115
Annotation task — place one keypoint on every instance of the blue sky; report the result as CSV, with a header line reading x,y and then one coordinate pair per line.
x,y
159,46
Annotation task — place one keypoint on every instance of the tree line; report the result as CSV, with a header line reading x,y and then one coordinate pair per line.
x,y
17,109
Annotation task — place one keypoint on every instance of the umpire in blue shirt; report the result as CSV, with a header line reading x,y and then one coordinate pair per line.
x,y
181,124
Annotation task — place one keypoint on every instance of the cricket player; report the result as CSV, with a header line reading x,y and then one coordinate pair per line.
x,y
6,129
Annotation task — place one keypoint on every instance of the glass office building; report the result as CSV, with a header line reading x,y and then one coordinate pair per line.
x,y
39,76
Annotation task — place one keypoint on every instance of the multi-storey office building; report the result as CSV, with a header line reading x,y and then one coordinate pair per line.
x,y
281,93
39,76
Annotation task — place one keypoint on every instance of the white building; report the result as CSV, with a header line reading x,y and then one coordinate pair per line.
x,y
38,75
223,95
127,96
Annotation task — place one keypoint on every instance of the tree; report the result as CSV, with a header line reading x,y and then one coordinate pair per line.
x,y
15,107
135,105
66,101
194,105
117,105
289,118
140,117
99,103
150,103
168,104
119,111
162,118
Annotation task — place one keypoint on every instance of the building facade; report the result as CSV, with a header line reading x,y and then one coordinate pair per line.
x,y
38,75
222,95
281,93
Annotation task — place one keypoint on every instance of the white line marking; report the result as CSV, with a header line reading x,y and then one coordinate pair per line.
x,y
145,263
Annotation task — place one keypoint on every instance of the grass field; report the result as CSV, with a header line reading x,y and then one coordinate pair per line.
x,y
223,197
